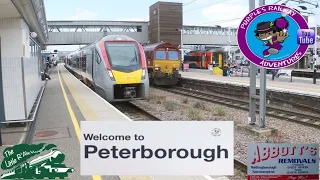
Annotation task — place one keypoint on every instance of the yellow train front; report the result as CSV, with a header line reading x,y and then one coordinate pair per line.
x,y
163,62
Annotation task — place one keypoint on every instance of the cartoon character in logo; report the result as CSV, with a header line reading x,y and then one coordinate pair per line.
x,y
273,34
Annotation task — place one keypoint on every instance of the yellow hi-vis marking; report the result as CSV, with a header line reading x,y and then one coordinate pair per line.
x,y
73,117
89,114
127,78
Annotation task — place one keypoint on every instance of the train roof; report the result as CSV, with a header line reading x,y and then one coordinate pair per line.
x,y
117,37
151,47
208,50
105,38
112,38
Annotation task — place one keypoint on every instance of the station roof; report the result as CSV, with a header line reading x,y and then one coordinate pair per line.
x,y
33,12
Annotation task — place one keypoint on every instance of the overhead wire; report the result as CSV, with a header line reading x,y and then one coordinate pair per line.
x,y
226,20
205,6
219,21
189,2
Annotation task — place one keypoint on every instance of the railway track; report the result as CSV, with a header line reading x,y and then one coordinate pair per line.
x,y
239,92
240,165
293,116
134,112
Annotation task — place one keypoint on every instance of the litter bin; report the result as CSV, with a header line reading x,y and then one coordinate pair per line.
x,y
43,78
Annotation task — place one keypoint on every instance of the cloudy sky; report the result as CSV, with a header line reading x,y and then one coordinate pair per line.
x,y
195,12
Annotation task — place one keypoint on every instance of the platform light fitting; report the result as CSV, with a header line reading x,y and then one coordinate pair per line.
x,y
33,34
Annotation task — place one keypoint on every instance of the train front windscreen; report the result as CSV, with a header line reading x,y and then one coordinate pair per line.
x,y
123,56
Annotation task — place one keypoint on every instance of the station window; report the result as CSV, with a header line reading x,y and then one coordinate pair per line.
x,y
160,55
34,49
139,29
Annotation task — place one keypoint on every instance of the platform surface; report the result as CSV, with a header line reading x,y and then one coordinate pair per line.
x,y
65,102
298,86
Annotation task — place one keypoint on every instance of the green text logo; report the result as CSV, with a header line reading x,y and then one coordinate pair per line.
x,y
16,160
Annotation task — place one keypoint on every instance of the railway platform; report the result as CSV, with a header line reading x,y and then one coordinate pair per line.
x,y
302,86
65,102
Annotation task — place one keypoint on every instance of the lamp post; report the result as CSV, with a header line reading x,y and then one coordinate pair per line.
x,y
253,90
181,44
181,34
229,42
315,46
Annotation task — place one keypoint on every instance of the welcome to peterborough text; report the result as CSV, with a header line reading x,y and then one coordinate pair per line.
x,y
142,152
209,155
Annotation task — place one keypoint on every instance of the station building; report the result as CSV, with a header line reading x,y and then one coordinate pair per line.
x,y
23,31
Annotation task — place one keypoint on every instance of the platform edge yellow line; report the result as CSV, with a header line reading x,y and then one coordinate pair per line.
x,y
73,117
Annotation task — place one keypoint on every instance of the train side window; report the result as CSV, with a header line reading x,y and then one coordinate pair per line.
x,y
139,29
84,62
160,55
78,61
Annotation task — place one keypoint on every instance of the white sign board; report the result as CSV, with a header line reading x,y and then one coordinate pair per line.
x,y
283,161
157,148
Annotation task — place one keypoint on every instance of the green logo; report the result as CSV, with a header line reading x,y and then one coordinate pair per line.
x,y
16,160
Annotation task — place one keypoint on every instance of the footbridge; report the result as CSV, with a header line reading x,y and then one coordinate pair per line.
x,y
85,32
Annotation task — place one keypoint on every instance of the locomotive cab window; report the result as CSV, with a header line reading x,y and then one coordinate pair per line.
x,y
160,55
122,55
173,55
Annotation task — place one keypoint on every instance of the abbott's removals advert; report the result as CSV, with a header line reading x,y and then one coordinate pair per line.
x,y
283,161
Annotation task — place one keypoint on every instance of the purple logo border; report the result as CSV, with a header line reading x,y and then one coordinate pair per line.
x,y
246,51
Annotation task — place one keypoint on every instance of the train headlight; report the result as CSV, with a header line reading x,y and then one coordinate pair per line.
x,y
143,74
111,75
157,68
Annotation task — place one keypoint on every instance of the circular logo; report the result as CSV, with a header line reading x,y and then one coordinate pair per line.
x,y
216,132
274,36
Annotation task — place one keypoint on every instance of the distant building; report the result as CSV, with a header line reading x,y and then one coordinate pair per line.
x,y
165,22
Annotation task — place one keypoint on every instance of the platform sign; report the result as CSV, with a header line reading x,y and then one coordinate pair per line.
x,y
283,161
157,148
274,36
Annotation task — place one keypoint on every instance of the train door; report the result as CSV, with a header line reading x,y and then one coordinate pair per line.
x,y
220,60
215,59
96,66
203,60
93,64
80,65
98,70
